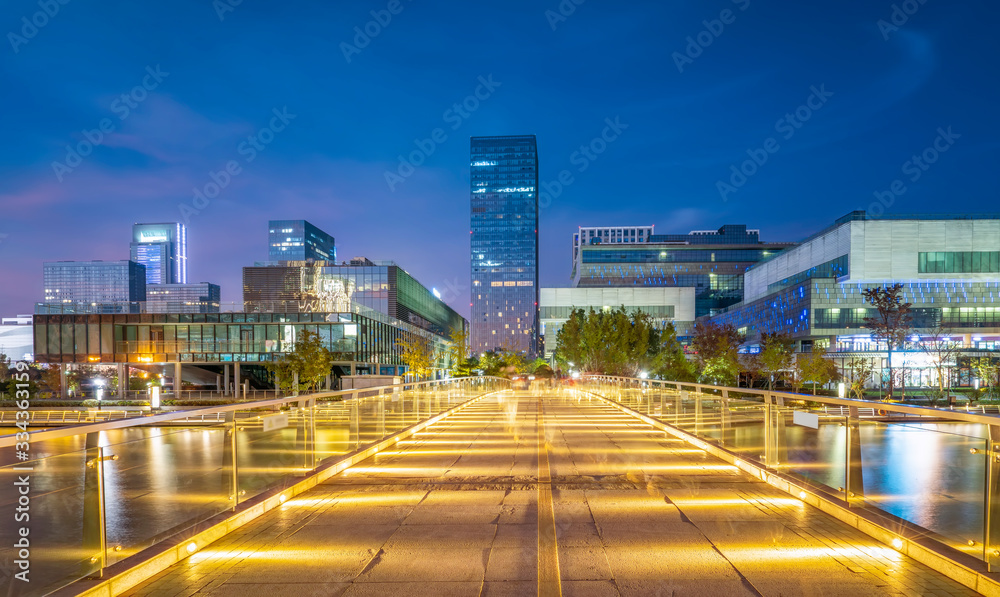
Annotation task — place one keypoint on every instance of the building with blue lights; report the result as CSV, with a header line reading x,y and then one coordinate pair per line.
x,y
162,249
298,240
949,267
504,243
712,262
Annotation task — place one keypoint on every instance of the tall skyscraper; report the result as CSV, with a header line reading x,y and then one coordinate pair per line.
x,y
504,227
162,249
298,240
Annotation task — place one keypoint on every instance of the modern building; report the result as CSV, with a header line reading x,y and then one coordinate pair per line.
x,y
200,297
320,286
16,338
712,262
949,266
663,305
504,243
162,249
230,347
298,240
114,284
589,235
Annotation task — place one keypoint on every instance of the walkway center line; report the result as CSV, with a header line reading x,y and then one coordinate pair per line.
x,y
549,584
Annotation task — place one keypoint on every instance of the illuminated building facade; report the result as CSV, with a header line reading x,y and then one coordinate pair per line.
x,y
949,267
712,262
183,298
111,285
298,240
590,235
162,250
504,243
288,286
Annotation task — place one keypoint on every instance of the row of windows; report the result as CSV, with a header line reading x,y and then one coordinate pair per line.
x,y
644,255
961,262
565,312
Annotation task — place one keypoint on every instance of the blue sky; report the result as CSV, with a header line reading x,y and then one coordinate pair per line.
x,y
692,110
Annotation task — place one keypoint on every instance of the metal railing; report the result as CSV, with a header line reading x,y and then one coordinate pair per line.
x,y
104,491
935,470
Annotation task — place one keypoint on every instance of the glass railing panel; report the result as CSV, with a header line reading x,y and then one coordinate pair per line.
x,y
58,549
333,429
743,429
930,474
163,480
273,449
812,445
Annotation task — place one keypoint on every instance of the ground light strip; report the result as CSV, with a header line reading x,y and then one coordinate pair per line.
x,y
910,544
137,569
549,584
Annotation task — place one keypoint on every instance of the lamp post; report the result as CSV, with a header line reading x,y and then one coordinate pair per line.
x,y
100,391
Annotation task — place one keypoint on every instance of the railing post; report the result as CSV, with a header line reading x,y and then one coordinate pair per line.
x,y
697,413
991,518
768,430
728,435
354,438
94,526
854,489
679,405
229,458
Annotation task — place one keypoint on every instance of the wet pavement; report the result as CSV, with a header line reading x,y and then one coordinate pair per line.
x,y
556,494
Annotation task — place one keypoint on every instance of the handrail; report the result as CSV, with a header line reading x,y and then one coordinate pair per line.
x,y
47,434
965,417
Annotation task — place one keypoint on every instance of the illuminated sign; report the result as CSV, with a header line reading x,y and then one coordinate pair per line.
x,y
484,163
153,236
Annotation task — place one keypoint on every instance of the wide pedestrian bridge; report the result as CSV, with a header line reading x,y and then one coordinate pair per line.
x,y
609,486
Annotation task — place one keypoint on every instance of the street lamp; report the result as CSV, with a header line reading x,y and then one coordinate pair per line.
x,y
100,391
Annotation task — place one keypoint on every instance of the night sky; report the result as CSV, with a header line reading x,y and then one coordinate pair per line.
x,y
832,104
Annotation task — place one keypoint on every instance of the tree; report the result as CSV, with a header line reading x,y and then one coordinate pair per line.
x,y
861,371
775,355
669,361
891,323
458,352
815,368
309,359
609,341
717,348
941,350
986,369
417,354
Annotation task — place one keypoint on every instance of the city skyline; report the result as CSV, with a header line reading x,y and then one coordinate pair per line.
x,y
863,100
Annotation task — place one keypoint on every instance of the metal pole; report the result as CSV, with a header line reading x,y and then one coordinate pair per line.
x,y
855,486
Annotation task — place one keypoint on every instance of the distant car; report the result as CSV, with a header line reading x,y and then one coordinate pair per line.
x,y
519,382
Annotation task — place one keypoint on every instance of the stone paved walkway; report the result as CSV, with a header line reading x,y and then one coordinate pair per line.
x,y
456,511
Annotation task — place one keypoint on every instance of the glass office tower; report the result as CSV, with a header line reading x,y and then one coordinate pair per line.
x,y
298,240
111,286
162,249
504,227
